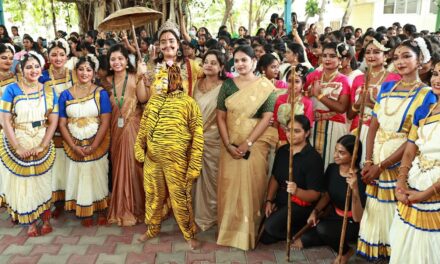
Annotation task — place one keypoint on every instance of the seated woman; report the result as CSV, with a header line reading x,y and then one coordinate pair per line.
x,y
327,230
308,170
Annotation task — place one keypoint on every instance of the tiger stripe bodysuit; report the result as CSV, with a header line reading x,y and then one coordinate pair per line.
x,y
170,143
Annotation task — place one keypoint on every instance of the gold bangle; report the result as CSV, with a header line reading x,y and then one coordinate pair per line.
x,y
354,109
320,96
368,162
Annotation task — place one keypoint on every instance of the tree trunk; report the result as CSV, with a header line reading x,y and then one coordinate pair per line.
x,y
172,16
99,12
164,11
54,19
321,14
347,13
227,13
250,17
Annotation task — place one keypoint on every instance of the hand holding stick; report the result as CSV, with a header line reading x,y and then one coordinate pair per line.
x,y
353,161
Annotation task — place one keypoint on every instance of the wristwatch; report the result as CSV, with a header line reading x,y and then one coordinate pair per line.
x,y
249,143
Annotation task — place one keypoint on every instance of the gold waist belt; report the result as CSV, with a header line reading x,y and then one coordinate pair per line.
x,y
324,116
426,164
83,121
384,136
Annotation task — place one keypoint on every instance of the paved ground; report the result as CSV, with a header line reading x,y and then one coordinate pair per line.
x,y
72,243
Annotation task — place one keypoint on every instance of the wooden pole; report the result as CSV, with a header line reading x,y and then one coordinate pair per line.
x,y
138,51
289,203
353,162
250,18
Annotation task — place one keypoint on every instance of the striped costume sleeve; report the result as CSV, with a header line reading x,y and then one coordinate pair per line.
x,y
141,139
196,129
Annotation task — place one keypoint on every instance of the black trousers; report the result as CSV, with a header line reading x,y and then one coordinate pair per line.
x,y
275,226
328,232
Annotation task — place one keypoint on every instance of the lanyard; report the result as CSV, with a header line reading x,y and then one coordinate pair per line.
x,y
119,102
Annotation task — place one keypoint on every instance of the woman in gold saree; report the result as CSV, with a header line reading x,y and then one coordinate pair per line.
x,y
244,109
206,93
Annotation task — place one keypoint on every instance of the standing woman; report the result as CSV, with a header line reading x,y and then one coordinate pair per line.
x,y
414,234
375,58
85,114
171,52
244,109
303,104
29,116
205,94
7,77
127,206
294,55
330,92
269,67
386,140
59,78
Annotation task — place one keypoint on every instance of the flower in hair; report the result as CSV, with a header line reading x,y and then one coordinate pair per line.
x,y
424,49
11,47
37,56
63,43
93,59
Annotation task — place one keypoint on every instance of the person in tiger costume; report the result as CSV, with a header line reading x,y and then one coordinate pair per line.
x,y
170,144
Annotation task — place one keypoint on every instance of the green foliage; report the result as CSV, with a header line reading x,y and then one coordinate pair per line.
x,y
39,12
312,8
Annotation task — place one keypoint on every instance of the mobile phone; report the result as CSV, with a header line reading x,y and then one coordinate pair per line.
x,y
246,155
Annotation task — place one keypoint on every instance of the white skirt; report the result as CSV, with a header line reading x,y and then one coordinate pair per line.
x,y
87,186
373,242
59,176
415,233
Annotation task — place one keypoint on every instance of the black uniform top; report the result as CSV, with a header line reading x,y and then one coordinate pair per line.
x,y
336,186
308,171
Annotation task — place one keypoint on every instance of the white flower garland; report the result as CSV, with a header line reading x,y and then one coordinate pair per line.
x,y
94,60
10,46
38,56
424,48
63,43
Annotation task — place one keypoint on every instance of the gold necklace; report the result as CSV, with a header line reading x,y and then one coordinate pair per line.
x,y
30,85
408,84
5,74
375,74
423,122
204,87
379,82
52,78
78,87
331,77
401,102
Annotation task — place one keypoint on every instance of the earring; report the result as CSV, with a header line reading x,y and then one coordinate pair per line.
x,y
264,74
179,53
111,69
126,66
385,63
160,55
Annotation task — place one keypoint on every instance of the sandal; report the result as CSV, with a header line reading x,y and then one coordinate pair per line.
x,y
102,221
33,231
46,229
88,222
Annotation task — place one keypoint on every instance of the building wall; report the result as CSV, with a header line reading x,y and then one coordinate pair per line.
x,y
422,20
369,13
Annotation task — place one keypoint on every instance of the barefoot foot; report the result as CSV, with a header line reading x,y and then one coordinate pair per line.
x,y
193,244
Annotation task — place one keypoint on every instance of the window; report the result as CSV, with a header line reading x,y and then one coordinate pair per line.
x,y
433,8
401,6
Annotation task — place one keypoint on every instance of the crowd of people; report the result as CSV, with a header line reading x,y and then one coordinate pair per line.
x,y
200,126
